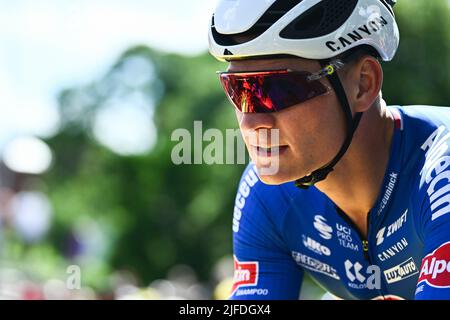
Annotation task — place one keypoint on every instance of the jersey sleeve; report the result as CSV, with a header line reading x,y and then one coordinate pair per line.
x,y
434,276
263,266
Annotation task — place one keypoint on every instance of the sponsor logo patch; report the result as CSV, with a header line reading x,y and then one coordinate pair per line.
x,y
245,274
345,239
435,269
397,247
391,229
436,173
388,297
245,187
353,273
389,189
402,271
314,265
325,231
316,246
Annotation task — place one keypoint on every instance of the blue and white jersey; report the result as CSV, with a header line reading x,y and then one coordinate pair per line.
x,y
280,232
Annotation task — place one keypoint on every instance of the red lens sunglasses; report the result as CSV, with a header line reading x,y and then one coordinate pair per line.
x,y
274,90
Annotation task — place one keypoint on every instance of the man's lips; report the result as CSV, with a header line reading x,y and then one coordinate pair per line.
x,y
262,151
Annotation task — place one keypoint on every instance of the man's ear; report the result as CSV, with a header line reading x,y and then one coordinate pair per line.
x,y
363,83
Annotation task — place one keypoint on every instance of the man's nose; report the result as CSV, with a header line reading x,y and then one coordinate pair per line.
x,y
250,122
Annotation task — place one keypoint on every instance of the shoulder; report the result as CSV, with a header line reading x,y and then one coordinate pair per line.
x,y
254,198
430,128
420,120
427,131
427,141
425,136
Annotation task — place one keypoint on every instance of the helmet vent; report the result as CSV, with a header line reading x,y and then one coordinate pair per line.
x,y
322,19
389,4
277,10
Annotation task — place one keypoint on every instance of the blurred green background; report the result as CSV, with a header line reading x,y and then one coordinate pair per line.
x,y
136,224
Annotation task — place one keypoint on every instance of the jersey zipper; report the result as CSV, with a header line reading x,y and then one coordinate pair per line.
x,y
365,246
364,240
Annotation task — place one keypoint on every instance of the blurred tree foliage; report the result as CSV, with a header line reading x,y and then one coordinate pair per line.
x,y
419,74
156,214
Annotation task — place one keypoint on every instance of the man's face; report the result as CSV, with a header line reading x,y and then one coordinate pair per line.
x,y
310,133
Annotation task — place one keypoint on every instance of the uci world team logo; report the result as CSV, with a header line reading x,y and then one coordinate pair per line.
x,y
325,231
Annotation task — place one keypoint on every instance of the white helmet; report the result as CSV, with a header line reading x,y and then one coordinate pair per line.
x,y
311,29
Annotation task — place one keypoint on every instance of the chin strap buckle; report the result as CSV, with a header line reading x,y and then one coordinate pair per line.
x,y
313,178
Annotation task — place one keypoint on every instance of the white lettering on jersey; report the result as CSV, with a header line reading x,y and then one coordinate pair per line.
x,y
320,223
315,246
393,250
391,229
402,271
344,235
389,189
437,161
244,191
314,265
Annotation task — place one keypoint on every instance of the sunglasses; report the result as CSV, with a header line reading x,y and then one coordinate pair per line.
x,y
275,90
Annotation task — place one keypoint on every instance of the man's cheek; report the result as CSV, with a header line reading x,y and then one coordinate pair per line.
x,y
238,116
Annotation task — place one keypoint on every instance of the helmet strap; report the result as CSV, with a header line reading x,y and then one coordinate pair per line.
x,y
352,124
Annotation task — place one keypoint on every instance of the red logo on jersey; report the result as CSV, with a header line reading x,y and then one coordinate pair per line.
x,y
388,297
435,268
245,274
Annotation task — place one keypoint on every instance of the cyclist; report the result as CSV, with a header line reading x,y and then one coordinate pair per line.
x,y
361,197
